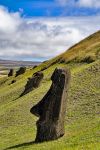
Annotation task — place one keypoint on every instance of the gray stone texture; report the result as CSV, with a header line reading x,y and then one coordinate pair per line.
x,y
33,82
11,73
51,110
20,71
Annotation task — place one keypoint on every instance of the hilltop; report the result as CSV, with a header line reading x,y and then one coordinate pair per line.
x,y
18,126
86,51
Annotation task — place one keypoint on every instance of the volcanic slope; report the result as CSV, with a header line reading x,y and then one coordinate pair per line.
x,y
82,125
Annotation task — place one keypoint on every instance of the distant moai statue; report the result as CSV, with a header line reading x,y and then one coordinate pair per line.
x,y
51,109
11,73
34,66
20,71
33,82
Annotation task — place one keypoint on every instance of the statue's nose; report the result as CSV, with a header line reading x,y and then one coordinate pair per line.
x,y
35,111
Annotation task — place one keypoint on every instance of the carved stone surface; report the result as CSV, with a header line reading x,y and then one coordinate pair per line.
x,y
11,73
20,71
34,66
33,82
51,109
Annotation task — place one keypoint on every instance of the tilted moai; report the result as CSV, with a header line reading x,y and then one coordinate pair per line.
x,y
11,73
33,82
34,66
20,71
51,109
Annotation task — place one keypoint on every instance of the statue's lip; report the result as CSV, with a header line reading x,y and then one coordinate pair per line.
x,y
32,110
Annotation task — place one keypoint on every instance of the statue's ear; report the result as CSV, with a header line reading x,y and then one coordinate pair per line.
x,y
56,110
58,100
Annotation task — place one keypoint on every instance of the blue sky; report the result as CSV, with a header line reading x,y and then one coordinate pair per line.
x,y
52,8
41,29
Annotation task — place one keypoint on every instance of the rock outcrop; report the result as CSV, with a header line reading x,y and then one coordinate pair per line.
x,y
13,81
33,82
20,71
51,109
11,73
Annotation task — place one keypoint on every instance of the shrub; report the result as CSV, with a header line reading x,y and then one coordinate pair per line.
x,y
88,59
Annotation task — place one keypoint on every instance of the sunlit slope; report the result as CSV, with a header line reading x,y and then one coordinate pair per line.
x,y
18,126
89,47
82,126
88,50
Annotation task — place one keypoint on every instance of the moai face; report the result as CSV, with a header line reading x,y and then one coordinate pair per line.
x,y
51,109
20,71
11,73
33,82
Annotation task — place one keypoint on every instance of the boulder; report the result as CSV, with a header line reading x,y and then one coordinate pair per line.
x,y
13,81
51,110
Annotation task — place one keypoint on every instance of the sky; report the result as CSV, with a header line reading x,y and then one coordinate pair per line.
x,y
38,30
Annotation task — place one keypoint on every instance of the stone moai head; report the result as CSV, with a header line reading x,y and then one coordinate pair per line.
x,y
33,82
20,71
36,79
11,73
34,66
51,110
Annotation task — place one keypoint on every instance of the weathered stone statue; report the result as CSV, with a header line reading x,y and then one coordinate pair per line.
x,y
20,71
51,109
33,82
34,66
11,73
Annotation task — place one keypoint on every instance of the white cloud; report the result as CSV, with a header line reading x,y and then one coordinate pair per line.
x,y
63,2
89,3
41,38
80,3
8,21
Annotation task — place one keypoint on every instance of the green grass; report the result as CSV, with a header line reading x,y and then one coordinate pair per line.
x,y
82,124
18,126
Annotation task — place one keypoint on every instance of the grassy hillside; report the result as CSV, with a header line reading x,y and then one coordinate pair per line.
x,y
88,50
18,126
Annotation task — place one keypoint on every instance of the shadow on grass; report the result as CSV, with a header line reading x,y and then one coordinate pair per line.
x,y
21,145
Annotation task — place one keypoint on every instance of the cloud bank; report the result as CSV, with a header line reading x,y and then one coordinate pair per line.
x,y
80,3
42,38
89,3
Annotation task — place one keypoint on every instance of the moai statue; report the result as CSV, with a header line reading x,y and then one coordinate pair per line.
x,y
11,73
51,109
20,71
33,82
34,66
